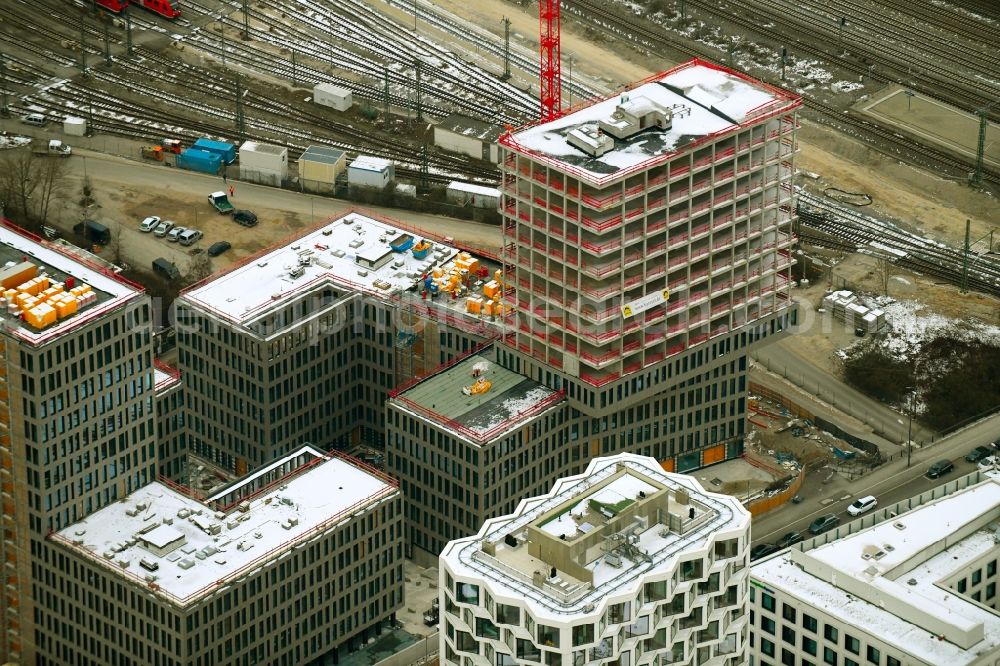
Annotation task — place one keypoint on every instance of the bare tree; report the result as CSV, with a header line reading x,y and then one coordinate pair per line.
x,y
200,267
117,250
51,178
883,272
30,183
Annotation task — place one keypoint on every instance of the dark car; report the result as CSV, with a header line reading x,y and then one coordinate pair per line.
x,y
789,539
762,550
166,268
218,248
977,454
940,468
245,217
823,523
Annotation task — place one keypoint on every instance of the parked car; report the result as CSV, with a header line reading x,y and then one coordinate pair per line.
x,y
977,454
149,223
189,237
862,505
175,234
988,463
163,228
166,268
218,248
762,550
36,119
245,217
823,523
940,468
790,539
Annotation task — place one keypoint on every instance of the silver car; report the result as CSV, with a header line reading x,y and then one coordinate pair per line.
x,y
189,237
175,234
149,223
162,228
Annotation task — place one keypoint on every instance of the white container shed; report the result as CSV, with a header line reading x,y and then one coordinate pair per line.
x,y
461,134
478,196
263,163
368,171
333,96
74,126
319,168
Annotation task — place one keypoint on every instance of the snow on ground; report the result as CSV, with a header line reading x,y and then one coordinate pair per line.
x,y
912,324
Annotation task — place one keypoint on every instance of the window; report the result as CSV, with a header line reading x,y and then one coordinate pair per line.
x,y
830,633
583,634
528,650
874,656
829,656
850,662
788,635
767,624
466,643
852,644
991,590
977,576
508,614
467,593
548,636
486,629
767,601
809,623
891,661
788,612
991,568
809,645
961,586
788,658
767,647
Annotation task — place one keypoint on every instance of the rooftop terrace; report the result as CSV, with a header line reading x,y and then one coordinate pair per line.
x,y
478,398
595,534
701,101
892,578
184,549
63,273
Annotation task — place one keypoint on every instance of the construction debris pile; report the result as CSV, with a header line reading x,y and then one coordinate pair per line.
x,y
845,307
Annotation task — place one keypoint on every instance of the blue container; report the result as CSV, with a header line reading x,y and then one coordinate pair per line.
x,y
199,160
226,151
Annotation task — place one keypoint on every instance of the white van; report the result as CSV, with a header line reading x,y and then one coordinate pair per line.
x,y
36,119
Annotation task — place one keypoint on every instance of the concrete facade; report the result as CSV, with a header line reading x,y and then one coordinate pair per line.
x,y
316,586
914,583
170,444
77,431
624,564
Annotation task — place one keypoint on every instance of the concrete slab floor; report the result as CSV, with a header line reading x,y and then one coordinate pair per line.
x,y
421,587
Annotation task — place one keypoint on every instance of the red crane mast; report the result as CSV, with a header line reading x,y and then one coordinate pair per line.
x,y
550,69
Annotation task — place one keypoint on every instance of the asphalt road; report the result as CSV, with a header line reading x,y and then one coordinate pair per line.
x,y
889,483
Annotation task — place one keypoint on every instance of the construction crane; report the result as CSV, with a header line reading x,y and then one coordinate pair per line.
x,y
550,71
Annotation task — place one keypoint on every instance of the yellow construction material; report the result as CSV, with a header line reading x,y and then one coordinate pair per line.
x,y
474,304
41,315
437,271
480,386
56,288
498,275
18,274
66,306
491,289
488,308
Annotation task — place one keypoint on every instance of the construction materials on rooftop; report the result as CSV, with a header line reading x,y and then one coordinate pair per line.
x,y
38,300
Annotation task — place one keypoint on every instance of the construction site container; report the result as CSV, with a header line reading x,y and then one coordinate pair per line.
x,y
320,167
195,159
368,171
401,243
327,94
468,136
74,126
17,274
477,196
263,163
225,150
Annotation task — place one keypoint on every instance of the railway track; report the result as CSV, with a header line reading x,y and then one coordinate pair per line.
x,y
852,231
892,144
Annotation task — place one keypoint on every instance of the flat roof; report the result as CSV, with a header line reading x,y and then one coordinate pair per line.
x,y
449,396
268,148
370,163
216,549
891,578
591,506
322,154
474,189
329,251
470,127
59,264
717,101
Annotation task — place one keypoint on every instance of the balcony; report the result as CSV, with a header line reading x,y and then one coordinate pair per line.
x,y
598,379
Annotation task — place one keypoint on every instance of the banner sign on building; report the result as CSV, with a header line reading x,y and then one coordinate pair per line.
x,y
647,302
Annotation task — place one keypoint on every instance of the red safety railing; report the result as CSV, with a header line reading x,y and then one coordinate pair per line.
x,y
174,375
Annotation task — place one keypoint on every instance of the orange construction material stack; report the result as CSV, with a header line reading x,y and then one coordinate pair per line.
x,y
488,308
65,306
41,315
17,274
491,289
474,304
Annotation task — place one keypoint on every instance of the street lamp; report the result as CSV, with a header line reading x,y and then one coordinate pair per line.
x,y
909,428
